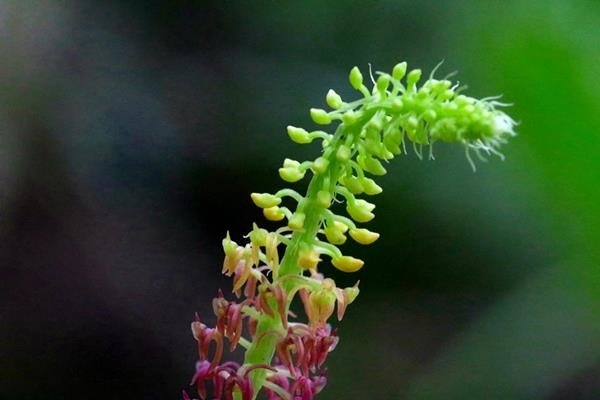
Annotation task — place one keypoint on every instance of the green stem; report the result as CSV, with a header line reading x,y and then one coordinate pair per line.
x,y
268,329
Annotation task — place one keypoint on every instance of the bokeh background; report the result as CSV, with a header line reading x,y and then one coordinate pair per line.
x,y
132,132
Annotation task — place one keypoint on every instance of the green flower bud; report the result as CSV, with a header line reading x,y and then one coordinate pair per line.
x,y
265,200
229,246
343,153
350,117
334,235
273,213
376,123
392,146
291,174
363,236
333,99
397,105
289,163
370,187
429,115
320,116
413,77
298,135
399,70
449,108
382,83
371,165
383,153
360,210
323,198
446,95
462,100
438,87
347,263
340,226
320,165
353,184
414,132
355,78
445,130
392,140
308,259
296,222
412,122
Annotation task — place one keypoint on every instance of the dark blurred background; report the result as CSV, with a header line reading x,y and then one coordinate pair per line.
x,y
132,132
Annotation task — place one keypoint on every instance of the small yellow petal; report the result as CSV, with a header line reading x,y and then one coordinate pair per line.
x,y
347,263
363,236
265,200
273,213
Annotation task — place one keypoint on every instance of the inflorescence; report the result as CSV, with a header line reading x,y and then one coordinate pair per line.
x,y
284,357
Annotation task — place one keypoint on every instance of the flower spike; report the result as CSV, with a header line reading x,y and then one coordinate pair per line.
x,y
284,356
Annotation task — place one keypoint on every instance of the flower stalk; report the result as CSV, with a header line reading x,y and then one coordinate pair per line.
x,y
284,357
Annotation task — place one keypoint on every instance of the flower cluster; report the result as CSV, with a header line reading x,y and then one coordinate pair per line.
x,y
300,348
284,356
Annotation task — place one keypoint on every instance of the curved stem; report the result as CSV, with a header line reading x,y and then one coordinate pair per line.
x,y
263,346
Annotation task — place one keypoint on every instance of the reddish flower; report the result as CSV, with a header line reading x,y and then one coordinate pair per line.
x,y
205,336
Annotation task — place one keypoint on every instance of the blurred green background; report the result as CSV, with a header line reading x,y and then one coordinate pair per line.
x,y
132,133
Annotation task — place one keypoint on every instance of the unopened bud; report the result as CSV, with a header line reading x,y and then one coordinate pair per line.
x,y
350,117
413,77
340,226
343,153
320,165
333,99
296,222
371,165
265,200
363,236
355,78
462,100
382,83
323,198
446,95
360,210
391,144
370,187
289,163
273,213
412,122
308,259
399,70
334,235
347,263
397,105
291,172
298,135
429,115
353,184
320,116
376,123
